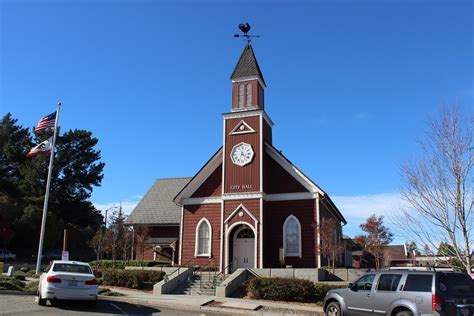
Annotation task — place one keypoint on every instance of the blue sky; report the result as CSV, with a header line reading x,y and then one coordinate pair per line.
x,y
350,84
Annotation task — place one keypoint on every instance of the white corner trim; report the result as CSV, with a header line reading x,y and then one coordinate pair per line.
x,y
196,246
293,171
202,200
318,236
236,130
260,236
241,206
181,236
298,254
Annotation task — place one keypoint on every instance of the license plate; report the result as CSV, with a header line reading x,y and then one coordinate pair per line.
x,y
72,283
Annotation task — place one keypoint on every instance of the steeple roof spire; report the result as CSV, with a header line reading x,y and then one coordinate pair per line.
x,y
247,66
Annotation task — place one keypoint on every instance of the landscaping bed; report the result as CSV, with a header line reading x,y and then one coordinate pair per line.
x,y
121,264
287,290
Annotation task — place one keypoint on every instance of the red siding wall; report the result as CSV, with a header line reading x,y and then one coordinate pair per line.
x,y
212,186
275,214
192,215
325,213
249,174
257,94
155,232
277,180
267,132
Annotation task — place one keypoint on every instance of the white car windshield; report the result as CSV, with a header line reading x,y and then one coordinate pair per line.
x,y
71,268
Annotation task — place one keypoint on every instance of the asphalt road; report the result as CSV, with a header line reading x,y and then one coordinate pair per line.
x,y
26,305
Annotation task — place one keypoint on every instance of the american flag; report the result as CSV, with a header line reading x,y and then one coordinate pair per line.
x,y
46,122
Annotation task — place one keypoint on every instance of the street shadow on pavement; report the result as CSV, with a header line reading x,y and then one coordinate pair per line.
x,y
103,307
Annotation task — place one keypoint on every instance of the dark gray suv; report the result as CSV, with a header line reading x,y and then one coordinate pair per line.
x,y
404,293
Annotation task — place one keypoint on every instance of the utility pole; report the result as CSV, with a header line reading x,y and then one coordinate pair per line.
x,y
65,240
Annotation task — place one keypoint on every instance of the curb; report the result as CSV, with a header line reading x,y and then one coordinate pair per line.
x,y
12,292
144,301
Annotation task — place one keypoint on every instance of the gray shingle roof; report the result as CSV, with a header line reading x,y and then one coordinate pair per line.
x,y
247,66
157,206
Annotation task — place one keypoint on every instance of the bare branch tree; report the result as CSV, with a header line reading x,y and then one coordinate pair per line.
x,y
331,244
438,187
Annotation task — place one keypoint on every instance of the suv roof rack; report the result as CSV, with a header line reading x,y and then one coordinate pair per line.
x,y
425,268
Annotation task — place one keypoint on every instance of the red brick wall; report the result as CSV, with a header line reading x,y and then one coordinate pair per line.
x,y
275,214
192,215
212,186
277,180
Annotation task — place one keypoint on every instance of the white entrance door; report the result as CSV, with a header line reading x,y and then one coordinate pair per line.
x,y
243,250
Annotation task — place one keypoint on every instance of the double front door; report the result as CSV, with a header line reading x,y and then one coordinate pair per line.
x,y
243,249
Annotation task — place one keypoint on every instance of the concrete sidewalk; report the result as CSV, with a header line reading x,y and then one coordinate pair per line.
x,y
212,303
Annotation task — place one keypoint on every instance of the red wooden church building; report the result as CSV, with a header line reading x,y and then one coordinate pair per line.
x,y
248,206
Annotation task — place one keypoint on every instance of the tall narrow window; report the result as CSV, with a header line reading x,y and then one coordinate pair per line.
x,y
249,95
203,238
241,95
292,237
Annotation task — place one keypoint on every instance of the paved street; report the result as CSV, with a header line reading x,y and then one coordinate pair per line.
x,y
25,304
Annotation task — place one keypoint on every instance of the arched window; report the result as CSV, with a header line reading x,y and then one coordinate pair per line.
x,y
292,237
203,238
249,95
241,95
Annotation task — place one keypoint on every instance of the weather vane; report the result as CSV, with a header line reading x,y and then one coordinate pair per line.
x,y
245,28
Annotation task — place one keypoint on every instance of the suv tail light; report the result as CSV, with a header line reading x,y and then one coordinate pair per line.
x,y
91,282
436,303
52,279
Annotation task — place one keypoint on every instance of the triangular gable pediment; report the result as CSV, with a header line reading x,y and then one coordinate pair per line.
x,y
240,208
200,178
242,128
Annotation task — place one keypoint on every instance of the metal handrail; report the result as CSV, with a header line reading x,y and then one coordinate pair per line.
x,y
208,265
186,264
223,272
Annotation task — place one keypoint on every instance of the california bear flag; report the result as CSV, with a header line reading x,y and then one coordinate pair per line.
x,y
43,148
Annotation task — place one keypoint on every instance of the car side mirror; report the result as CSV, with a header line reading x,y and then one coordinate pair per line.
x,y
353,287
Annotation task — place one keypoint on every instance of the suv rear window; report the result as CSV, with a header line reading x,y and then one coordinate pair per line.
x,y
418,283
455,283
72,268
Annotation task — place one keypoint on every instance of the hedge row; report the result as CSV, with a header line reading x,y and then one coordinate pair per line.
x,y
287,289
121,264
134,279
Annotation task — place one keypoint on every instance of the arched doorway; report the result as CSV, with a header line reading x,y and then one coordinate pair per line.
x,y
242,247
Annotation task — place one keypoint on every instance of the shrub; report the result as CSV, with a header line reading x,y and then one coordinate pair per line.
x,y
280,289
135,279
121,264
19,275
31,287
320,289
11,284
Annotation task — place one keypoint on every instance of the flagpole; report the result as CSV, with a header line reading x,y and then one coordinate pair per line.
x,y
46,196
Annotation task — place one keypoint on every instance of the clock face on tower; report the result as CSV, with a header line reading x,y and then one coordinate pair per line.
x,y
241,154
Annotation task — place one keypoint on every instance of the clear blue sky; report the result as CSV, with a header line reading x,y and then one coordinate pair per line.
x,y
350,85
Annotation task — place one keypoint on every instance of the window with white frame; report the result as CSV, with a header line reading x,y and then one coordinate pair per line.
x,y
203,238
292,237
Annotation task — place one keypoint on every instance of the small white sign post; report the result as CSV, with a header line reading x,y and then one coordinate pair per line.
x,y
65,255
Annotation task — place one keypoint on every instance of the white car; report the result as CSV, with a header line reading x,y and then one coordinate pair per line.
x,y
67,280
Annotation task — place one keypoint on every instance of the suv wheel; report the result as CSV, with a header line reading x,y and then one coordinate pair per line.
x,y
405,313
333,309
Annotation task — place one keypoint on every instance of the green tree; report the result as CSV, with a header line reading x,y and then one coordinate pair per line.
x,y
77,170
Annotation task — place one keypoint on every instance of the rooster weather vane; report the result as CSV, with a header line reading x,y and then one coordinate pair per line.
x,y
245,28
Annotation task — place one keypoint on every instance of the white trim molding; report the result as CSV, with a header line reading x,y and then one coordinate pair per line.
x,y
241,207
201,200
196,245
181,235
295,254
242,196
291,196
237,129
228,229
248,113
